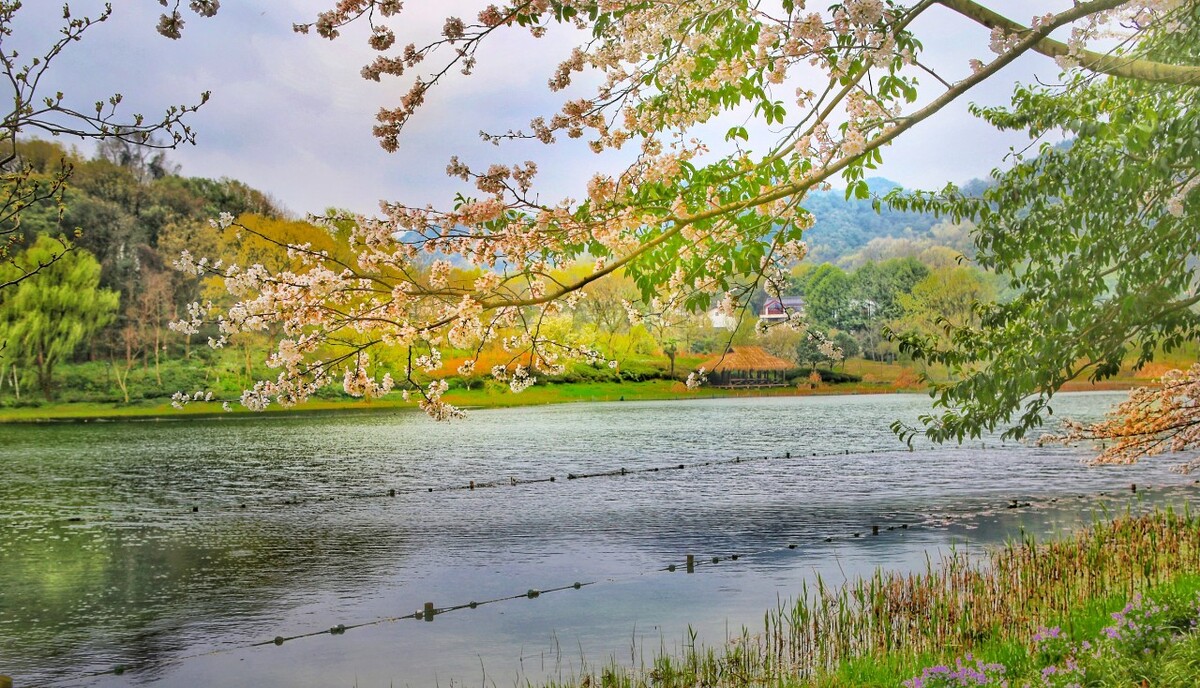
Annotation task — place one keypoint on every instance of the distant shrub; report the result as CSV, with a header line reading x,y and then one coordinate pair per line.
x,y
831,377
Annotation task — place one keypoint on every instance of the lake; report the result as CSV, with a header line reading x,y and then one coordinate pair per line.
x,y
175,552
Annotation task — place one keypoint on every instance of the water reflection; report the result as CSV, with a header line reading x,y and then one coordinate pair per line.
x,y
128,544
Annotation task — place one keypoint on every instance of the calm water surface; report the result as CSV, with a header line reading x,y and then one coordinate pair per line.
x,y
171,549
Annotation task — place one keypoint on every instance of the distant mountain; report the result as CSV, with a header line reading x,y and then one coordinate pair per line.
x,y
844,226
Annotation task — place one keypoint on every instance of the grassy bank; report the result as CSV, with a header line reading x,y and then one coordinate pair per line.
x,y
113,390
649,390
1104,606
93,400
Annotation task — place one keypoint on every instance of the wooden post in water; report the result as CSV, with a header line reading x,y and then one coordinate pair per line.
x,y
428,615
691,563
1133,487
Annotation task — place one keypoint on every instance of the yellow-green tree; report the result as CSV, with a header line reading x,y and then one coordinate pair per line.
x,y
946,298
43,321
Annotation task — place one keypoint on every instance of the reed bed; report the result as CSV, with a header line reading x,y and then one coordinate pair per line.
x,y
953,605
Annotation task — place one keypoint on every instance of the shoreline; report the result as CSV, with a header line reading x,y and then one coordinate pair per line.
x,y
469,400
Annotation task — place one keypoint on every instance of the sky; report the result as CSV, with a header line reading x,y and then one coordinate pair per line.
x,y
291,116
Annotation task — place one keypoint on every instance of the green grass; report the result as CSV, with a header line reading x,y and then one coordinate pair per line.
x,y
1082,623
33,409
89,390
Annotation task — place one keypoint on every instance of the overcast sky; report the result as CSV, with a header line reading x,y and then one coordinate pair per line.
x,y
291,116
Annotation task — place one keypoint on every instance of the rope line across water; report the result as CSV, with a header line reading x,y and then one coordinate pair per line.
x,y
512,481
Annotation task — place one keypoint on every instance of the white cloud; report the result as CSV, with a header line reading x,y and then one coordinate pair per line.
x,y
291,115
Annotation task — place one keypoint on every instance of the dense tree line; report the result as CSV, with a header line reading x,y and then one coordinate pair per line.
x,y
103,249
899,295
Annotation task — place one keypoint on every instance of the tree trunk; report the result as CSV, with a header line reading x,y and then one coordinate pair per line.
x,y
44,372
157,346
123,380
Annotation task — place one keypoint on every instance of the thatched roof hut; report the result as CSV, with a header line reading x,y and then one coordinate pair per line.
x,y
747,366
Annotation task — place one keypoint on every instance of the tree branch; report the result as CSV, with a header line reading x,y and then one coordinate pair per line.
x,y
1128,67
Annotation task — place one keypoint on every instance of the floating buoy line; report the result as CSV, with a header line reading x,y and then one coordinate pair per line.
x,y
689,565
513,481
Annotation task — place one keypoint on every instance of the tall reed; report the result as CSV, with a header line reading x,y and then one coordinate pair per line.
x,y
953,604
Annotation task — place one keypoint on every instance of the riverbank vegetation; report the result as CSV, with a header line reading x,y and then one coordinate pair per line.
x,y
128,215
1115,604
109,349
92,390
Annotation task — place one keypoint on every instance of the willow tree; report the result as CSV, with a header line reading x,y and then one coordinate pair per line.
x,y
692,222
43,321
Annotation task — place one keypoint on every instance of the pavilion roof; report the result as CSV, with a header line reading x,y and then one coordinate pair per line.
x,y
746,358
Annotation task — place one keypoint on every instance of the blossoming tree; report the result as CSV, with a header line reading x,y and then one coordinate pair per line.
x,y
1154,420
692,222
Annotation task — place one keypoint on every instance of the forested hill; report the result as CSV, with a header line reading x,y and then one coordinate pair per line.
x,y
106,304
129,207
134,211
845,226
128,199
